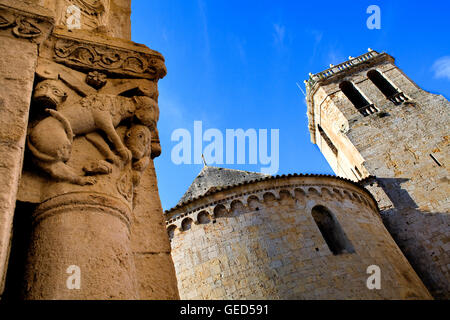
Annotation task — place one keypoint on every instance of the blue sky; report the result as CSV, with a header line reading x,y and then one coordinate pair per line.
x,y
234,64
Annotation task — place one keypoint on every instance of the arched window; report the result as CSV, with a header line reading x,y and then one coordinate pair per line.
x,y
186,224
381,83
203,217
354,95
220,211
386,87
331,231
171,232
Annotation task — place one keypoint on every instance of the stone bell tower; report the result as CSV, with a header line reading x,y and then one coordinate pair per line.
x,y
80,214
375,125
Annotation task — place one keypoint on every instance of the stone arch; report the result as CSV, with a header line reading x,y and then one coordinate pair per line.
x,y
186,224
177,223
383,84
313,192
299,193
326,192
220,211
285,194
337,192
253,202
366,202
171,231
269,197
276,192
256,196
346,194
356,197
203,217
236,206
354,95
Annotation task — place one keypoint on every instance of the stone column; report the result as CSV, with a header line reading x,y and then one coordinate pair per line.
x,y
22,29
88,231
90,171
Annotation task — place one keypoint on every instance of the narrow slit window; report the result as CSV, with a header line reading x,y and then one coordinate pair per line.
x,y
354,95
327,140
171,232
354,173
358,172
331,231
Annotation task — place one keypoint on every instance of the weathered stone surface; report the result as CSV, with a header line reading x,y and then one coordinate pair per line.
x,y
156,276
111,17
91,129
25,20
405,145
150,243
259,241
75,229
22,27
87,178
17,76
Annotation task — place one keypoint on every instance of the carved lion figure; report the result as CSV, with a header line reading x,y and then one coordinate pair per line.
x,y
49,93
50,141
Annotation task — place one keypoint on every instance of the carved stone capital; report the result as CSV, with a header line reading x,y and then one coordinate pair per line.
x,y
24,21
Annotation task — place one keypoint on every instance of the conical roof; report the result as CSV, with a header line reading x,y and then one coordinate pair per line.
x,y
214,177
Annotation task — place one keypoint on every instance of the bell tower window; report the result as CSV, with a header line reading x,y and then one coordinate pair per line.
x,y
357,99
386,87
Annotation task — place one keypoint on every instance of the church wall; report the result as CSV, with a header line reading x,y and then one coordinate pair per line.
x,y
261,242
405,147
16,78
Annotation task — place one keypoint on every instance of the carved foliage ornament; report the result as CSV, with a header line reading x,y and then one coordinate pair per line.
x,y
23,27
89,56
96,79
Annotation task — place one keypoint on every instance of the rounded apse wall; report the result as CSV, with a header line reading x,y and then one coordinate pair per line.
x,y
289,237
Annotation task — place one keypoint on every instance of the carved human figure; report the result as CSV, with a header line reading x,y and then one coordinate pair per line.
x,y
138,139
